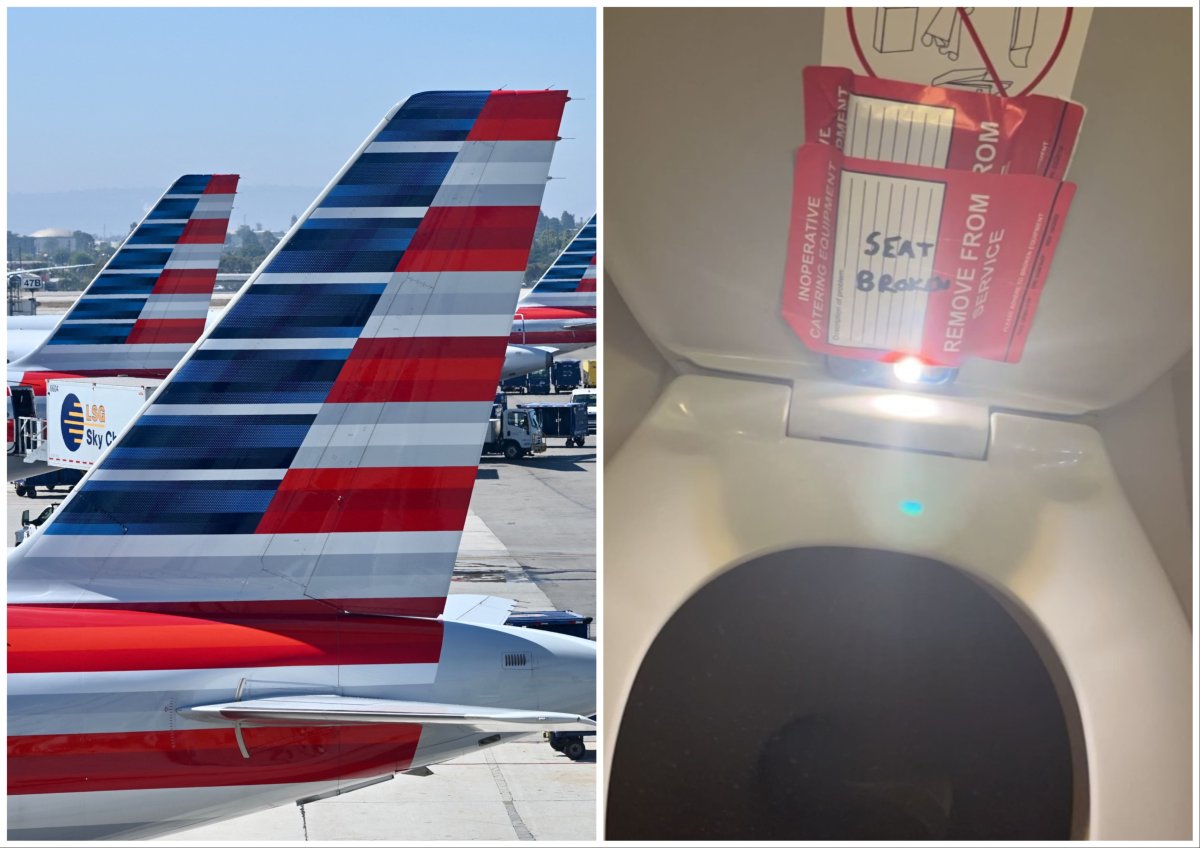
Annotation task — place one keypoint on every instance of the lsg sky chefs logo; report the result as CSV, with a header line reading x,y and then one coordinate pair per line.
x,y
84,424
72,422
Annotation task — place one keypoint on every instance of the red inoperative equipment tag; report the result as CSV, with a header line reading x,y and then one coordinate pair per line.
x,y
894,121
887,259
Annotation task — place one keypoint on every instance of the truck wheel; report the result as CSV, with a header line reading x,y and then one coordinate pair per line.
x,y
21,490
574,749
579,442
512,450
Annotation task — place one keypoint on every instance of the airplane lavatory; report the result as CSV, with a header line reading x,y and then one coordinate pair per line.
x,y
849,601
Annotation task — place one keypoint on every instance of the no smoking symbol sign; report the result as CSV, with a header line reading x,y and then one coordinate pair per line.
x,y
1005,51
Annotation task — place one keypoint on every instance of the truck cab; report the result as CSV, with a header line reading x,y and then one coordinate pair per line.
x,y
515,433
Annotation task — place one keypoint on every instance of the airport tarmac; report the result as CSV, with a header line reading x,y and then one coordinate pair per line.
x,y
543,508
515,791
530,536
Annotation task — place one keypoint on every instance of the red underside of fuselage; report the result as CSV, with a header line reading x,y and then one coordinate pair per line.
x,y
93,762
526,316
554,337
88,641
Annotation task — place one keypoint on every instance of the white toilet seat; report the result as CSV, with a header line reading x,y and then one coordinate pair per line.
x,y
711,479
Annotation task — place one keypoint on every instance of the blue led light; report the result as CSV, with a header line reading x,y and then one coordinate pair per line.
x,y
912,507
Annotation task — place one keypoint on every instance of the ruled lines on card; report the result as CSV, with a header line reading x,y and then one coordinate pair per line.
x,y
890,131
883,223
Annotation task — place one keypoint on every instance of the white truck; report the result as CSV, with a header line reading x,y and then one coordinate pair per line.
x,y
587,396
84,416
514,433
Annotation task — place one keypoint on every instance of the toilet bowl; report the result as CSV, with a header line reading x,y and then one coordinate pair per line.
x,y
841,607
1035,536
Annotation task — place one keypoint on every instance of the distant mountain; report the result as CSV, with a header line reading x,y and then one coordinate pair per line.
x,y
112,210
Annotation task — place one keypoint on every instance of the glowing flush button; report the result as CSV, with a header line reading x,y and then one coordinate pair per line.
x,y
912,507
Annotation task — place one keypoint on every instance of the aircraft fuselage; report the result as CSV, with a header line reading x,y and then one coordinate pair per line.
x,y
562,327
101,745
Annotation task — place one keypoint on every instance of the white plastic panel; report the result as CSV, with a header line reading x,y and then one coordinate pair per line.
x,y
905,420
710,479
703,115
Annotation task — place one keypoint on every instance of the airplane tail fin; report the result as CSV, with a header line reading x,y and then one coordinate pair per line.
x,y
149,302
571,278
320,444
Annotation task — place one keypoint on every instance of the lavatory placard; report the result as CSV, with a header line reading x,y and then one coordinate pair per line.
x,y
995,49
889,258
894,121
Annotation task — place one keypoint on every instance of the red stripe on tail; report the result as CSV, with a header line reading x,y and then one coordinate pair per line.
x,y
588,281
370,500
205,231
420,369
166,331
472,238
222,184
533,116
186,282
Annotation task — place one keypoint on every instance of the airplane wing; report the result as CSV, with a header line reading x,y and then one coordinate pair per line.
x,y
12,271
322,710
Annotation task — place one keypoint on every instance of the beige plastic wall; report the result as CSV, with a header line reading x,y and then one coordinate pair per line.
x,y
703,112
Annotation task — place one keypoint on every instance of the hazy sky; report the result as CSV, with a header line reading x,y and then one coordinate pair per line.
x,y
104,98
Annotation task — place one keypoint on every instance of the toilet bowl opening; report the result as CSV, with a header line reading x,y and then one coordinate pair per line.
x,y
841,693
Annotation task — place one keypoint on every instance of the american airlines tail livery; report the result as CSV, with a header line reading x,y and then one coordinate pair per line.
x,y
559,313
144,309
238,607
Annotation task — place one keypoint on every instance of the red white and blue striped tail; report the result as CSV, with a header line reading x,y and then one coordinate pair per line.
x,y
571,280
149,302
321,441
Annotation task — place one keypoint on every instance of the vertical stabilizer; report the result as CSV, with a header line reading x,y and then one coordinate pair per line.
x,y
321,443
149,302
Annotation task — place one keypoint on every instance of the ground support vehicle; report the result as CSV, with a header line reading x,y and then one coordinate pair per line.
x,y
566,420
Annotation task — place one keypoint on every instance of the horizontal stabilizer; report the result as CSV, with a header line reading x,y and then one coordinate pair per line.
x,y
325,710
477,609
579,324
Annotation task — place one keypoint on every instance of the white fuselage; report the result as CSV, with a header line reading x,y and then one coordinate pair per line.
x,y
143,768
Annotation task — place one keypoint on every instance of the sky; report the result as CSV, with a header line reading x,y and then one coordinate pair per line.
x,y
106,99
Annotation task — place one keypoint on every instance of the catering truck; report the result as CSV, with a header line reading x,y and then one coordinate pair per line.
x,y
587,397
567,375
85,415
568,420
514,433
